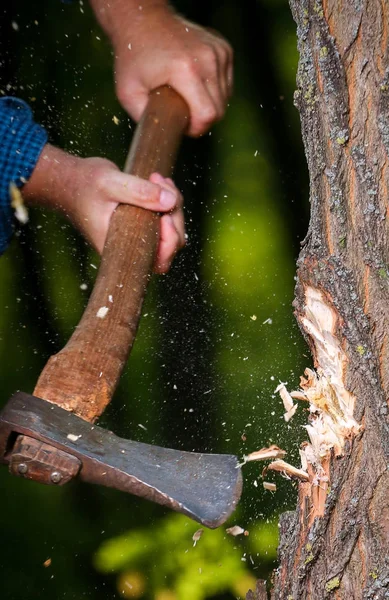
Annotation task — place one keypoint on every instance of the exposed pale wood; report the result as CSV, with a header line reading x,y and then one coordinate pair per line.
x,y
83,376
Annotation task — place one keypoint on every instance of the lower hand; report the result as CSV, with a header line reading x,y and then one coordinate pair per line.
x,y
88,190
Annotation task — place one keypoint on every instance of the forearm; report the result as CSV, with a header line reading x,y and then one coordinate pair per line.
x,y
119,17
51,182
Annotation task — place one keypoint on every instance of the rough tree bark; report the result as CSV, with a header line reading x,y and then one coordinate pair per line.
x,y
336,544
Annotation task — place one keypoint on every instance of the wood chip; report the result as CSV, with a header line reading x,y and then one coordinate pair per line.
x,y
285,396
72,437
196,536
288,470
17,203
102,312
265,454
290,413
235,530
47,563
269,486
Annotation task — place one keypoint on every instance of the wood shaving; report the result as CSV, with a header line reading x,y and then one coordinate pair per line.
x,y
47,563
264,454
236,530
196,536
287,470
115,120
102,312
269,486
288,415
285,396
287,400
304,461
17,203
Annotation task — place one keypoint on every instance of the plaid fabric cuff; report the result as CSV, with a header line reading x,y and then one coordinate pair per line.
x,y
21,143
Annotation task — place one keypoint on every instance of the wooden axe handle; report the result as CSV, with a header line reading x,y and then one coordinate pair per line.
x,y
83,376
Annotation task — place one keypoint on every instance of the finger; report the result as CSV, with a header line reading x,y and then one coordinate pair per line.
x,y
180,202
132,97
230,73
169,244
128,189
222,54
212,83
225,54
203,111
179,224
168,184
212,76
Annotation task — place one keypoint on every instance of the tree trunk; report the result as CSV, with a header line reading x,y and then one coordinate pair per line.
x,y
336,544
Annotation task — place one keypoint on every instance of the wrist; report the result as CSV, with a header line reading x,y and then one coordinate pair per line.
x,y
53,181
122,18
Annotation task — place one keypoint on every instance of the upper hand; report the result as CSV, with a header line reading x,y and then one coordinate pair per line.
x,y
161,48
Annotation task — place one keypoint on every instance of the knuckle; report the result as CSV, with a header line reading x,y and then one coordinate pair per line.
x,y
124,93
227,48
185,64
227,54
208,51
100,176
209,114
209,57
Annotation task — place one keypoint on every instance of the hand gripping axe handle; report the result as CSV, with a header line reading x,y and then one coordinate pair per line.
x,y
50,437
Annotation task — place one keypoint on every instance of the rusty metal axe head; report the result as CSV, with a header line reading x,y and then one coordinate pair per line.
x,y
42,441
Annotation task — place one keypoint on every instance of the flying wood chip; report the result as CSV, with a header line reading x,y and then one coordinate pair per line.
x,y
287,400
286,469
17,203
285,396
290,413
265,454
197,535
237,530
269,486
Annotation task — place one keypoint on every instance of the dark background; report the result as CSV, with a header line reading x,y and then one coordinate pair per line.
x,y
218,332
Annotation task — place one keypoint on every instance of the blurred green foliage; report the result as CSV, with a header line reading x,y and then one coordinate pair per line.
x,y
217,333
177,560
190,570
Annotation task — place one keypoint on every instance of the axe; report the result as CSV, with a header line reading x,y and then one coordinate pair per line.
x,y
50,436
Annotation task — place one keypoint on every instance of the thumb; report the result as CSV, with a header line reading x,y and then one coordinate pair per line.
x,y
129,189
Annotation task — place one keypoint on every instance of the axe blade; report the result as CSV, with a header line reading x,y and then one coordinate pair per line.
x,y
206,487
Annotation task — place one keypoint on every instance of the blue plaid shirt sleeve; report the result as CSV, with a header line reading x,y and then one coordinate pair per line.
x,y
21,143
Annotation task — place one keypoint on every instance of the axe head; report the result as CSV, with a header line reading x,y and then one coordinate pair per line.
x,y
41,441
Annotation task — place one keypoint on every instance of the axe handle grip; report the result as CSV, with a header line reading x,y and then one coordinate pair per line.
x,y
83,376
